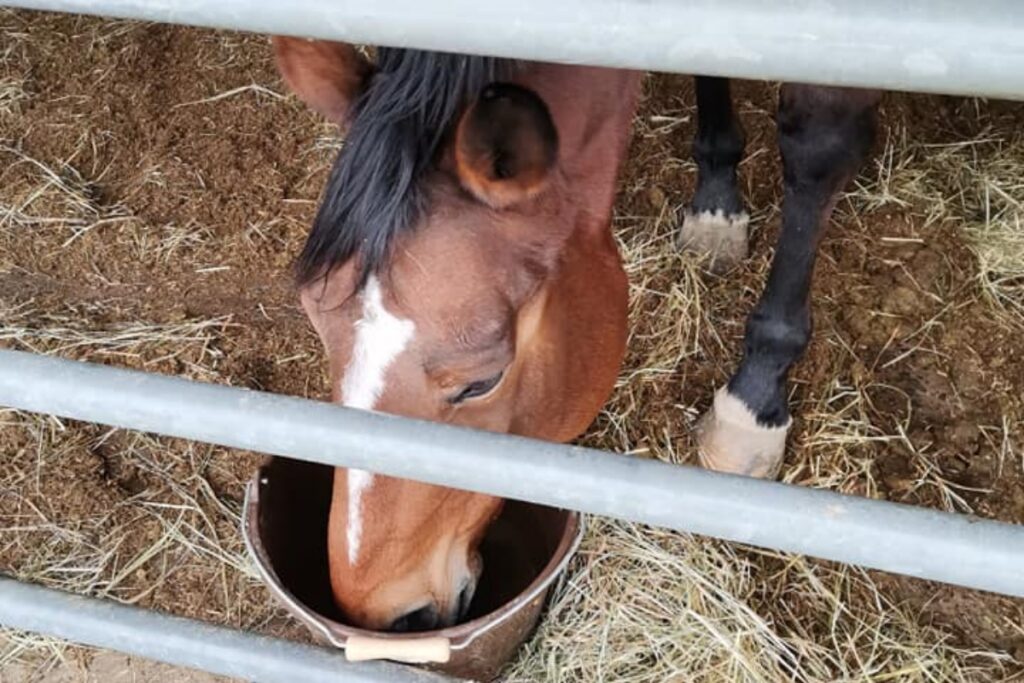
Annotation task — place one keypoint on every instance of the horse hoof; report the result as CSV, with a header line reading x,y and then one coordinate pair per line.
x,y
722,238
729,439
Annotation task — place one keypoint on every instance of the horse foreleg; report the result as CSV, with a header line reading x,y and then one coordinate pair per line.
x,y
824,136
716,221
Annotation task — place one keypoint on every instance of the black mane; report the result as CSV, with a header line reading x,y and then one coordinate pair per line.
x,y
373,192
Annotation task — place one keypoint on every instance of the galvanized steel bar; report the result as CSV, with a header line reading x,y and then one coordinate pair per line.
x,y
944,46
899,538
184,642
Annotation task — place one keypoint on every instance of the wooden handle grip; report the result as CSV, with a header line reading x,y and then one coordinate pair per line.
x,y
408,650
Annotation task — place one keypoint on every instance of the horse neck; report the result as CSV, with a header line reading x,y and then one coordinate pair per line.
x,y
593,112
582,315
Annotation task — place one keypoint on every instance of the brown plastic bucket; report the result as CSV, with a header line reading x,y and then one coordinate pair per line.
x,y
285,529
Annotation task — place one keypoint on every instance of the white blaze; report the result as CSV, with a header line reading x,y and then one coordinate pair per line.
x,y
358,481
380,338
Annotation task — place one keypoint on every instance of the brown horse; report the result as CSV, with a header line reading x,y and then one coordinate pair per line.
x,y
461,269
502,305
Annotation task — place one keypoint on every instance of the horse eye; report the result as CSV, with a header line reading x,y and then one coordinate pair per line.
x,y
476,389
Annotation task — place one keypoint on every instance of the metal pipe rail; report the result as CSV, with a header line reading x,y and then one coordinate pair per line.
x,y
929,544
185,642
942,46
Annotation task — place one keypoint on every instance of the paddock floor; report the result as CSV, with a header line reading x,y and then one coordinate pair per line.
x,y
155,184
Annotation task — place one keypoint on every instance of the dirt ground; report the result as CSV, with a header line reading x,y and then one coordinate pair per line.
x,y
104,667
156,183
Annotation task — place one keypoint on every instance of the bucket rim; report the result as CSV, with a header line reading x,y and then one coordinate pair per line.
x,y
459,636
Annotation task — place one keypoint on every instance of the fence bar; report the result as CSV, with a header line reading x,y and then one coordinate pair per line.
x,y
903,539
184,642
945,46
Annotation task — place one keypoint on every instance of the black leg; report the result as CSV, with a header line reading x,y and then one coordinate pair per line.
x,y
716,222
824,136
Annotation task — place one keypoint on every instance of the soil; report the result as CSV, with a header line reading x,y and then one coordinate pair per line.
x,y
208,201
108,667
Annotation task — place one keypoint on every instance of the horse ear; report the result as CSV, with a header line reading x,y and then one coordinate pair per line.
x,y
506,145
327,76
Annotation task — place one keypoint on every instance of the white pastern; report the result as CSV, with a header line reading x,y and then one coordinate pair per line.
x,y
380,338
723,238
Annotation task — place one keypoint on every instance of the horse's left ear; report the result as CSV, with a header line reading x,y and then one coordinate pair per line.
x,y
506,145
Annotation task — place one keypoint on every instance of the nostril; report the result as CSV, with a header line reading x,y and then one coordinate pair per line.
x,y
423,619
465,599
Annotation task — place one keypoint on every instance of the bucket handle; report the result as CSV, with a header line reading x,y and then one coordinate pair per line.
x,y
435,650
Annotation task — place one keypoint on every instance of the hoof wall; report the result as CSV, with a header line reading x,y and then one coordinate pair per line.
x,y
729,439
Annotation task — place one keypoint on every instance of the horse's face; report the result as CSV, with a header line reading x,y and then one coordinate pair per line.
x,y
454,332
470,324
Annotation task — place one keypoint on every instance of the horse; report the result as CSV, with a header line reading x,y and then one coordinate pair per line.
x,y
461,268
